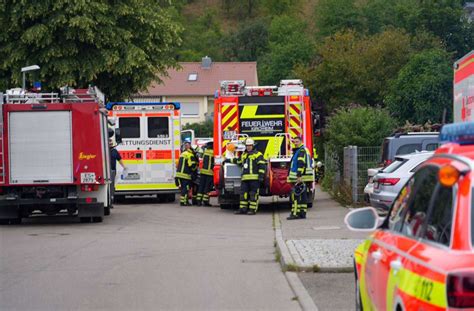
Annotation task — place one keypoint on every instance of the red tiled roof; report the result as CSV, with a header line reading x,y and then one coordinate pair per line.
x,y
207,79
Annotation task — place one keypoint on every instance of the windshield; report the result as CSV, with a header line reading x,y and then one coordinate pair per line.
x,y
395,165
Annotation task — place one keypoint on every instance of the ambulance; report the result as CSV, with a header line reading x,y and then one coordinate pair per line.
x,y
150,148
463,88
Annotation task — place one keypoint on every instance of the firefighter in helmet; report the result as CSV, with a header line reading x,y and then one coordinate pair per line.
x,y
301,177
187,166
253,171
207,175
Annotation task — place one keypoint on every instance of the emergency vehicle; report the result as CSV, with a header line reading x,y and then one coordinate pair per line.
x,y
464,88
150,147
271,116
54,155
421,256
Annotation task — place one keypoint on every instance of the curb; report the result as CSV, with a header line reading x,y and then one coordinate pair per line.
x,y
286,261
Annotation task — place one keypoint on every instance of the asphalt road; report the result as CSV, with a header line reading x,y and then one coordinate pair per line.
x,y
144,256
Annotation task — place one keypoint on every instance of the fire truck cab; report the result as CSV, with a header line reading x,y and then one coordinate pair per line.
x,y
270,115
54,155
150,147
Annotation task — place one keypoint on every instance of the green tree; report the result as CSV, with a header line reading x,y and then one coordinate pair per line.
x,y
358,126
289,45
247,43
423,88
120,46
202,129
202,37
351,68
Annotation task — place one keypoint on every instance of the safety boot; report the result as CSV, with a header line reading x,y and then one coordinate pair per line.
x,y
206,204
292,217
241,211
199,203
302,215
251,212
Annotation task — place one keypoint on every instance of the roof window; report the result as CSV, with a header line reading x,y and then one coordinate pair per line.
x,y
193,76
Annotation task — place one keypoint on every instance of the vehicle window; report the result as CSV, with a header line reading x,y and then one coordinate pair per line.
x,y
438,227
129,127
158,127
417,210
410,148
400,206
395,165
432,147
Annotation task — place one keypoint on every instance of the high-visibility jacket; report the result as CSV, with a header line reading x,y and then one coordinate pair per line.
x,y
253,165
187,165
301,165
208,162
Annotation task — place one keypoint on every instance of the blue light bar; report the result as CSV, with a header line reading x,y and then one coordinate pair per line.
x,y
460,133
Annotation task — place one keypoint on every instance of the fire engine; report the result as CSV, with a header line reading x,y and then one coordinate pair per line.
x,y
271,116
54,155
150,147
464,88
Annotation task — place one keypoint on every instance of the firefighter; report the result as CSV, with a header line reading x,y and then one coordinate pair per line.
x,y
187,167
114,158
253,172
301,173
197,152
207,175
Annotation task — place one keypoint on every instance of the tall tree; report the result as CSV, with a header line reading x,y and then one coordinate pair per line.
x,y
289,45
121,46
423,88
248,42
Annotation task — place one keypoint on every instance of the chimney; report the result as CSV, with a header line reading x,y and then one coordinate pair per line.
x,y
206,62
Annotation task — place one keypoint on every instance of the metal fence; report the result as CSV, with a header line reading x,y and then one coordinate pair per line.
x,y
351,170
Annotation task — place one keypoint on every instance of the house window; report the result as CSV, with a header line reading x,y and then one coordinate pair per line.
x,y
193,77
190,110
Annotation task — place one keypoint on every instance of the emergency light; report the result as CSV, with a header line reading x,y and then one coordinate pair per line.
x,y
459,133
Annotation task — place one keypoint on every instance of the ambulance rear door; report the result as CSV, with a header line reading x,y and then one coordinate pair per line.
x,y
162,147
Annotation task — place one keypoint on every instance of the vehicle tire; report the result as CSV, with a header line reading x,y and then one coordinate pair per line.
x,y
106,210
119,198
97,219
358,299
16,221
226,206
85,220
171,198
4,221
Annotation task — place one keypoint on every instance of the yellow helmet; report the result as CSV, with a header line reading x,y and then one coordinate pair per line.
x,y
249,142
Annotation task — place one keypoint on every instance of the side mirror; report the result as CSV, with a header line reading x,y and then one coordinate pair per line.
x,y
118,137
363,219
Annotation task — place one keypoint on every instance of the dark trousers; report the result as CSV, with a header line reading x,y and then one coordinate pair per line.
x,y
113,173
205,186
299,203
249,195
184,186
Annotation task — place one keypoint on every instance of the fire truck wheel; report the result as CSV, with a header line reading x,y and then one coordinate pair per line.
x,y
97,219
85,220
106,210
4,221
226,206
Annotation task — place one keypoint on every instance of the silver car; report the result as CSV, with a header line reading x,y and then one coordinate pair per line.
x,y
389,181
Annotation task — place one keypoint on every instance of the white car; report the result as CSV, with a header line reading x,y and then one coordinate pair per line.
x,y
388,182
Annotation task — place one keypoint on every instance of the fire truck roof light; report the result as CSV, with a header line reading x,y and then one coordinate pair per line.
x,y
460,133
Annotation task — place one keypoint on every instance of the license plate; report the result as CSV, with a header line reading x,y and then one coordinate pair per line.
x,y
88,178
230,135
131,176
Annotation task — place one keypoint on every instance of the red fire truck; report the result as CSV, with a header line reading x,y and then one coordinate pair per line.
x,y
271,116
54,155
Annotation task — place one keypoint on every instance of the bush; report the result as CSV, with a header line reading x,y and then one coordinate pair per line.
x,y
202,129
358,126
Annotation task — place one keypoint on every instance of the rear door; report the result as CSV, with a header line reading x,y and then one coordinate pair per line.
x,y
162,149
40,147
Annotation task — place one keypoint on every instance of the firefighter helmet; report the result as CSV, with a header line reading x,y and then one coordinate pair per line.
x,y
249,142
299,188
319,164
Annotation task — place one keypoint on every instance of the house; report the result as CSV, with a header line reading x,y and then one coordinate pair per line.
x,y
194,86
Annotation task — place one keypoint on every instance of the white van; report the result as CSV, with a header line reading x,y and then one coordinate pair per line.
x,y
150,147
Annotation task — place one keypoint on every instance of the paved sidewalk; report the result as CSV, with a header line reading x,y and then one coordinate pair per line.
x,y
321,242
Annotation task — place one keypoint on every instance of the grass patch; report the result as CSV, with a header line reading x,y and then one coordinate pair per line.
x,y
277,255
291,268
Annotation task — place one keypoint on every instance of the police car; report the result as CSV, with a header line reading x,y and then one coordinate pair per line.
x,y
421,257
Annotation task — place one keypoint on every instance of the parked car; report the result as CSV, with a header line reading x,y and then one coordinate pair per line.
x,y
400,144
388,182
420,256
